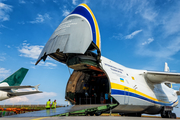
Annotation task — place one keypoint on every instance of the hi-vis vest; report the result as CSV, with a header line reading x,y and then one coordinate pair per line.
x,y
53,105
48,104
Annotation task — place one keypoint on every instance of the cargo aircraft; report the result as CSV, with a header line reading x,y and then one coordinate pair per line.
x,y
9,86
98,80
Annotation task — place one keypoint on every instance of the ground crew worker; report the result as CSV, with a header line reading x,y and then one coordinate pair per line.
x,y
53,105
48,104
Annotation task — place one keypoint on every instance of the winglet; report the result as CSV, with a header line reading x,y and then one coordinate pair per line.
x,y
36,87
166,68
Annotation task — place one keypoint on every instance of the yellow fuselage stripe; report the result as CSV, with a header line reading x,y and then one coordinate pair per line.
x,y
96,26
121,87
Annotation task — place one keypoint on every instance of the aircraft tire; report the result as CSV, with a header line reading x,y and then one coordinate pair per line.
x,y
138,114
165,114
91,114
173,115
168,114
98,113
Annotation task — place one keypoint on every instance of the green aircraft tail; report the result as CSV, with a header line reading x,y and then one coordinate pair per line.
x,y
16,78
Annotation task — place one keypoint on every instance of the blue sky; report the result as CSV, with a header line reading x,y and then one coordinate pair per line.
x,y
135,33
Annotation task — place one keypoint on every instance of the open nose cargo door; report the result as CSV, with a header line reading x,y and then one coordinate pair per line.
x,y
76,43
74,40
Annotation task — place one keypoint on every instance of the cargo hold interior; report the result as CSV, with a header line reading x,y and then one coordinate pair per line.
x,y
88,84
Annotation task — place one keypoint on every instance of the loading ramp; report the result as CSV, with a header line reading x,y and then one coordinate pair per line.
x,y
91,111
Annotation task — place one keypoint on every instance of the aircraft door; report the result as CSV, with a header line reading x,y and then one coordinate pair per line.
x,y
126,96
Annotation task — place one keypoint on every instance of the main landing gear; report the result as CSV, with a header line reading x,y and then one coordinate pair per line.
x,y
168,114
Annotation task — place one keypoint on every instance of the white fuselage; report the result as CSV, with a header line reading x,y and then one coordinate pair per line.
x,y
134,92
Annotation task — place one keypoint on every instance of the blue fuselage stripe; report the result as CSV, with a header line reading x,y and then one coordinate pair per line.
x,y
121,92
85,13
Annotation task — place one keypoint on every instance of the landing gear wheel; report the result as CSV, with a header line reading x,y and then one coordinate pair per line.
x,y
98,113
173,115
168,114
164,114
91,114
138,114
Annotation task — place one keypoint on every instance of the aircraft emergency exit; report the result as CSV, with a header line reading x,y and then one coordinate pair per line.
x,y
9,86
76,42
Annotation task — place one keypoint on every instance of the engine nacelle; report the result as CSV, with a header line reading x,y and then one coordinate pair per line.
x,y
3,95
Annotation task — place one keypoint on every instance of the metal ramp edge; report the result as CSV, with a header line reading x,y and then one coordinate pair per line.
x,y
90,111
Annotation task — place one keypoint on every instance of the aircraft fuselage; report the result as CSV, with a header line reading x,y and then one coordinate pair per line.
x,y
134,92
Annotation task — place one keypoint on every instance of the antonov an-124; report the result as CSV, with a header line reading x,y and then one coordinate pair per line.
x,y
98,80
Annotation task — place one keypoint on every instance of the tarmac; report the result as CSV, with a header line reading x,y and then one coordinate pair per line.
x,y
86,118
46,115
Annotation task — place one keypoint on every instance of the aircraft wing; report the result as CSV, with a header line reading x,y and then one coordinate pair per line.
x,y
13,94
9,88
14,87
160,77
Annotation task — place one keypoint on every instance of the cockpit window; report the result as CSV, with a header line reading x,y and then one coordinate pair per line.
x,y
168,84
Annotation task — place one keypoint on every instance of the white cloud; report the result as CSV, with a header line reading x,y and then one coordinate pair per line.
x,y
65,12
41,18
4,73
165,28
149,14
55,1
47,64
22,23
24,41
117,36
33,52
74,2
8,46
4,10
146,10
2,58
166,51
2,26
30,51
172,23
28,99
5,27
130,36
85,1
22,1
148,41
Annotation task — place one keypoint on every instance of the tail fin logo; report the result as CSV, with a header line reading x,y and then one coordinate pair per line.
x,y
16,78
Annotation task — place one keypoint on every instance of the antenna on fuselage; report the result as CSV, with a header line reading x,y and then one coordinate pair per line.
x,y
166,68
